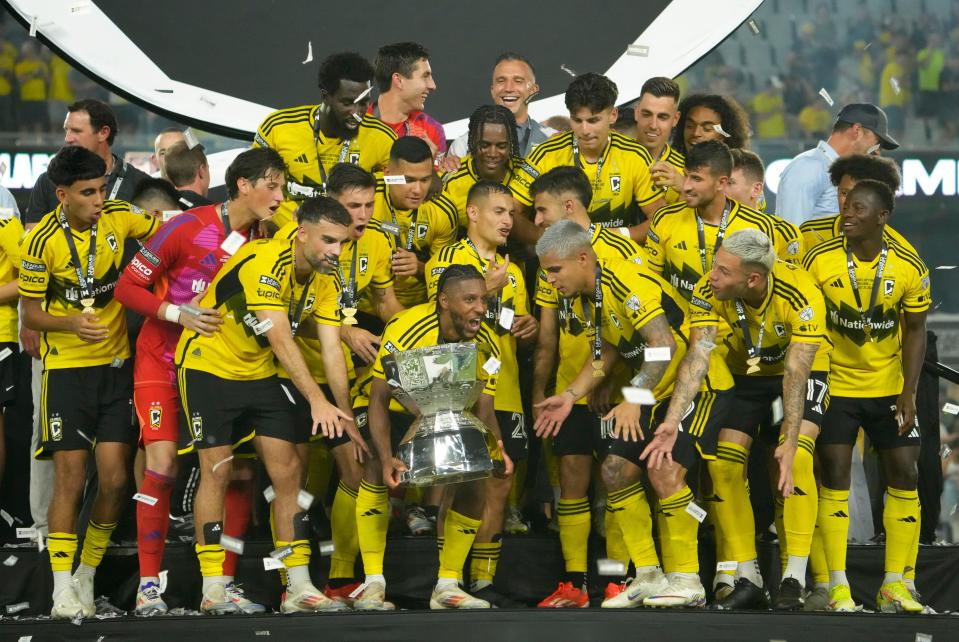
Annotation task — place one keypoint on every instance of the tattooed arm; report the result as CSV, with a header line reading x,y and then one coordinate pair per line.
x,y
799,359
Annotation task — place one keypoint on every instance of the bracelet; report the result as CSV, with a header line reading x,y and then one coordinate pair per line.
x,y
172,313
571,393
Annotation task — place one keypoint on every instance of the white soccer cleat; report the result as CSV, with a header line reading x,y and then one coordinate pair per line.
x,y
682,591
453,597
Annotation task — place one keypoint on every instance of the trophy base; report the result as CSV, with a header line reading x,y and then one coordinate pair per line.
x,y
446,448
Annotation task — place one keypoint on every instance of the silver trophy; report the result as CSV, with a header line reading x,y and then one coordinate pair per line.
x,y
446,443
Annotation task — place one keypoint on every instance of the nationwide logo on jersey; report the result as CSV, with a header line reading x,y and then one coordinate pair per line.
x,y
684,279
845,321
363,263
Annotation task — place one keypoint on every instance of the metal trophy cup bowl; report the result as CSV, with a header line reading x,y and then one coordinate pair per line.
x,y
446,443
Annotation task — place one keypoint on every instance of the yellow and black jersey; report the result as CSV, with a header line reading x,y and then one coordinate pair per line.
x,y
789,240
793,311
678,161
868,366
573,348
293,132
673,241
47,272
259,276
820,230
11,233
456,185
419,327
424,231
622,180
512,297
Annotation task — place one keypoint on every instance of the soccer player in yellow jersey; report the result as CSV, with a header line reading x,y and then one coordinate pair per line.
x,y
11,233
684,237
777,347
564,193
458,315
493,156
313,138
616,166
418,228
228,387
844,173
643,320
69,268
491,212
657,113
746,186
877,295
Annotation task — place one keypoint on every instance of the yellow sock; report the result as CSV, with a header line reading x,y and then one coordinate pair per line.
x,y
211,558
300,555
63,548
900,519
734,512
909,572
834,526
615,544
372,521
682,532
778,511
484,557
799,511
574,519
631,510
319,469
345,543
519,483
95,542
459,532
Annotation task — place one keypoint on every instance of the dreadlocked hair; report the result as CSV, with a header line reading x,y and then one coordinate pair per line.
x,y
494,115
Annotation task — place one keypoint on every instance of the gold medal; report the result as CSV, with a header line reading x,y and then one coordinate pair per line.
x,y
87,305
598,368
753,363
349,316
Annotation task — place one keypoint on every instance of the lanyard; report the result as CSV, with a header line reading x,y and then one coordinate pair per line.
x,y
701,232
349,286
344,148
376,112
491,313
526,137
120,175
866,318
85,282
597,321
753,350
294,314
599,163
225,217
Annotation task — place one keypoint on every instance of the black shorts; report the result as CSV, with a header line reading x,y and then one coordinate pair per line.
x,y
8,373
82,406
583,433
512,425
754,397
303,419
400,423
876,415
224,412
699,433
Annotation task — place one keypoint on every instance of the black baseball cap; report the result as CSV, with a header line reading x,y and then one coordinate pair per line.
x,y
870,117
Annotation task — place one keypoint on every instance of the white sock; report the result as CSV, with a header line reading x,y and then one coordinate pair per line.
x,y
910,584
228,579
480,584
722,579
146,580
648,570
838,578
750,570
892,577
445,582
61,580
211,580
297,576
375,578
796,569
84,569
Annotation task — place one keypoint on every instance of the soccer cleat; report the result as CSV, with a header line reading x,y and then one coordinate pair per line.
x,y
637,590
817,599
149,601
342,593
306,598
497,599
215,601
896,598
83,584
613,589
243,604
789,597
66,604
681,590
514,523
566,596
418,522
744,596
453,597
721,591
840,599
373,598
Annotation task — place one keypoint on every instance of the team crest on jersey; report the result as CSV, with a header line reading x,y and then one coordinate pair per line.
x,y
112,241
196,425
924,283
56,427
512,280
364,263
354,158
421,230
780,329
310,300
615,320
888,285
614,183
633,303
156,415
806,314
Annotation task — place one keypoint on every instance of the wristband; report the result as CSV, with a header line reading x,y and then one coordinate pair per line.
x,y
189,309
172,313
571,393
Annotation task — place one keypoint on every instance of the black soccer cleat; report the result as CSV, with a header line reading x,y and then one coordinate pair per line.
x,y
790,596
745,596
